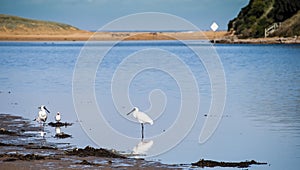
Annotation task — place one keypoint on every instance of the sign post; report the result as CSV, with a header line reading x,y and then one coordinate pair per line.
x,y
214,26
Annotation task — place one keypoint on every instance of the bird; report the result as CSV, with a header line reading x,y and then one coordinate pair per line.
x,y
57,117
42,115
141,117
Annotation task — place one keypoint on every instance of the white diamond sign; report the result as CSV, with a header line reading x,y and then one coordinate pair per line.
x,y
214,26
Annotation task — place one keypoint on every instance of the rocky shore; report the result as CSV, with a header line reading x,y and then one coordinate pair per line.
x,y
272,40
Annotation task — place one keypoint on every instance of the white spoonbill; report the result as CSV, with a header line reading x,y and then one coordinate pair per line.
x,y
57,117
42,115
141,117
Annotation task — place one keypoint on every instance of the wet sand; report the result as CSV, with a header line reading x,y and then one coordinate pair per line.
x,y
110,36
223,37
22,147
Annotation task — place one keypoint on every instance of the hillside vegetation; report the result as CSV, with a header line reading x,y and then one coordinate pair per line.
x,y
260,14
18,25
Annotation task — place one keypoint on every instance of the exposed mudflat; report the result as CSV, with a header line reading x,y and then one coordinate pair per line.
x,y
23,146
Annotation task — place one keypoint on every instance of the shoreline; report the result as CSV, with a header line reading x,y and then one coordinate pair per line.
x,y
111,36
22,146
271,40
219,37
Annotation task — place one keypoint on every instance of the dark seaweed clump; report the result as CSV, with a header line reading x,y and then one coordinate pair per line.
x,y
59,124
90,151
7,132
29,146
209,163
63,135
85,162
27,157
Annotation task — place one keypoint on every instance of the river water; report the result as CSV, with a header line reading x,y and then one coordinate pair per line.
x,y
260,121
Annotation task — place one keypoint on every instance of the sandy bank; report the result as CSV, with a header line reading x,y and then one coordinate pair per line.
x,y
110,36
217,37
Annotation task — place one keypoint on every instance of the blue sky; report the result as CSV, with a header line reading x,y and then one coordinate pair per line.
x,y
93,14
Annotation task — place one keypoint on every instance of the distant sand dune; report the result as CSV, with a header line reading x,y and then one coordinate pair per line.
x,y
108,36
14,28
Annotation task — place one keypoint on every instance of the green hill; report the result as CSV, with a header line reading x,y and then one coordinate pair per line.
x,y
18,25
260,14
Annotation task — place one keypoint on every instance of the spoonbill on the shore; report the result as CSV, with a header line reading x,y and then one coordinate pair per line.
x,y
42,115
141,117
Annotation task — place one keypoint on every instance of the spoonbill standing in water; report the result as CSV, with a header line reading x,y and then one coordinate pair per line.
x,y
57,117
42,115
141,117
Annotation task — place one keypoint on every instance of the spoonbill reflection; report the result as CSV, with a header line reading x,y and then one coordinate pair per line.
x,y
57,130
141,117
142,147
42,133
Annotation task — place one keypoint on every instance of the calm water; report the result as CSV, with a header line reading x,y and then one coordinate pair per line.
x,y
261,119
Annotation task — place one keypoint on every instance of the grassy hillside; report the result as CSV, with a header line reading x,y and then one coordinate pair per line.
x,y
289,27
259,14
18,25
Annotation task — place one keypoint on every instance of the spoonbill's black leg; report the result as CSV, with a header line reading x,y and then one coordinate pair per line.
x,y
142,130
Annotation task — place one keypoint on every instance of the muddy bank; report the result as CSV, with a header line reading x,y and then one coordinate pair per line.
x,y
22,146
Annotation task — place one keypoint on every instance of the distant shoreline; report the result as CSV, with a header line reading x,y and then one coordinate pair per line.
x,y
110,36
222,37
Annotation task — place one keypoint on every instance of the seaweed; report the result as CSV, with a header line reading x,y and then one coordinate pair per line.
x,y
59,124
7,132
90,151
27,157
209,163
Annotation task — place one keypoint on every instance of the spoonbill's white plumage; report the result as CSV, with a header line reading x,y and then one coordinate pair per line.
x,y
141,117
42,115
57,117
